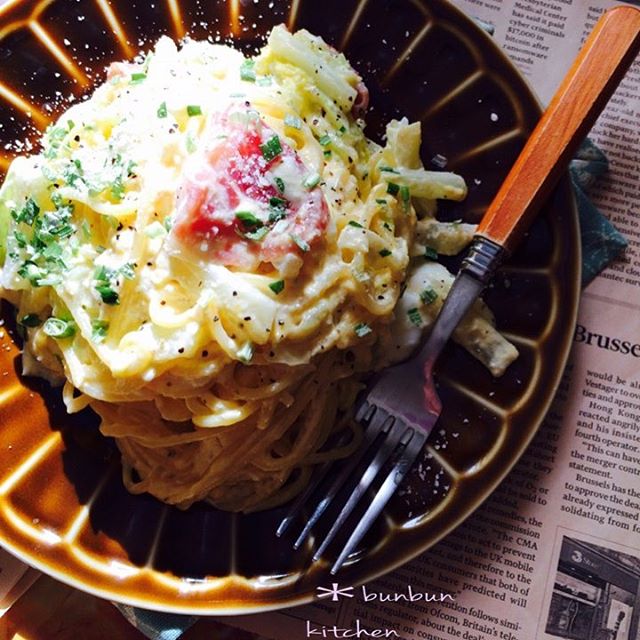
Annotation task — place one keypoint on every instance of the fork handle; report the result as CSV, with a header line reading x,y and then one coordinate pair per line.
x,y
583,94
601,64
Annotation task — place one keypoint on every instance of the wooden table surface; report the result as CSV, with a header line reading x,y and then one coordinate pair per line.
x,y
50,610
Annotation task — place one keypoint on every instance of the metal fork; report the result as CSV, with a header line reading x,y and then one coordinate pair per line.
x,y
398,417
402,407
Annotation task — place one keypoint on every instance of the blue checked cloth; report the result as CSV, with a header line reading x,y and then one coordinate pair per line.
x,y
601,241
156,625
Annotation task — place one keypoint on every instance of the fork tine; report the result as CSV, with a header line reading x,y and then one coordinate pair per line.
x,y
385,451
365,412
413,442
302,498
370,434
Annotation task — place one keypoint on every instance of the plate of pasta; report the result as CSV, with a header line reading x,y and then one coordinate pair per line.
x,y
209,239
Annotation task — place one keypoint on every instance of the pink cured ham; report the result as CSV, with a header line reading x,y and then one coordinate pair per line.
x,y
243,201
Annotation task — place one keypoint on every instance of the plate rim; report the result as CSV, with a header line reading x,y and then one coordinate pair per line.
x,y
239,608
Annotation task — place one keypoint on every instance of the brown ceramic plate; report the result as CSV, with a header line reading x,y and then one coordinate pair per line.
x,y
62,504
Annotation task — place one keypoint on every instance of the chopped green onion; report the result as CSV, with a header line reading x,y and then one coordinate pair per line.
x,y
30,320
387,226
271,149
117,188
51,280
104,287
99,330
430,253
56,199
248,219
343,129
59,328
247,70
312,181
31,271
382,201
190,143
28,213
54,139
389,170
48,172
108,294
325,140
162,110
137,78
302,245
155,230
277,203
257,235
128,270
293,121
280,184
428,296
353,223
193,110
54,225
276,215
277,286
52,252
72,173
405,196
168,223
246,353
384,252
265,81
415,317
278,209
327,154
392,188
362,329
21,239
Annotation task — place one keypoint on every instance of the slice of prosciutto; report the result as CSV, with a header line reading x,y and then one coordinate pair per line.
x,y
247,198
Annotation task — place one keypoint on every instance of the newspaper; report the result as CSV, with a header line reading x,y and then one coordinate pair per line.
x,y
555,552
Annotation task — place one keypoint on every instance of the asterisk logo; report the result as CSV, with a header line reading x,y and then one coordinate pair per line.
x,y
335,592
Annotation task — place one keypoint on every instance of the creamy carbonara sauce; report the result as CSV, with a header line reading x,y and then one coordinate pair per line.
x,y
210,253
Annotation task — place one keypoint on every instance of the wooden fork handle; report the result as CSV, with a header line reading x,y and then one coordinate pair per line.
x,y
583,94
